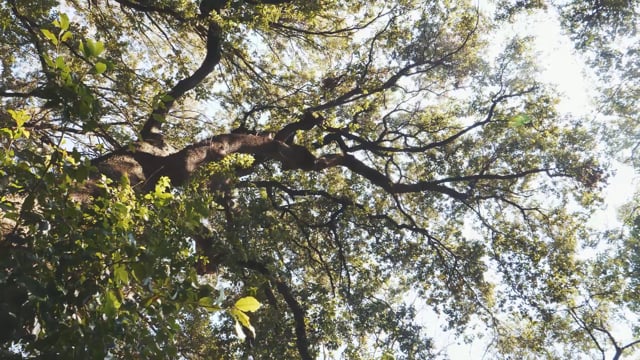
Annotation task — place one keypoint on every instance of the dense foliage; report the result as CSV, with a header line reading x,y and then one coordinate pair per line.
x,y
309,179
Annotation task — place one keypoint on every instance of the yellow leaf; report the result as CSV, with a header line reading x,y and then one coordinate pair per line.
x,y
248,303
19,116
242,319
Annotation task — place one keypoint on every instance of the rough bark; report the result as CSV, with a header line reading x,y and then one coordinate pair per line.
x,y
145,163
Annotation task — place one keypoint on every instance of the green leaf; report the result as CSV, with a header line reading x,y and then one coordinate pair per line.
x,y
166,98
64,22
7,132
162,186
208,303
158,117
241,335
48,61
66,36
99,47
100,67
242,320
388,356
120,274
520,120
138,271
248,303
93,48
205,301
150,300
22,132
112,304
90,47
220,299
60,62
49,35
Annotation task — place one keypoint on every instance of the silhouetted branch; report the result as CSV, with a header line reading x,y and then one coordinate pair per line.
x,y
151,129
302,342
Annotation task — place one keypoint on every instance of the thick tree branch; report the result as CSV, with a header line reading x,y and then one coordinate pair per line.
x,y
307,122
151,129
145,164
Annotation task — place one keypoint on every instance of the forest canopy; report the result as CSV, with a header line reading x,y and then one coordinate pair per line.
x,y
317,179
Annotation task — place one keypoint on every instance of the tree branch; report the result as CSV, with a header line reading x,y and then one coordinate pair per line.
x,y
474,178
337,134
150,8
271,2
151,129
586,328
23,95
307,122
379,179
302,342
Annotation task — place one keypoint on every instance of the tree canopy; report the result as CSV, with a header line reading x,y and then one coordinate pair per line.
x,y
310,179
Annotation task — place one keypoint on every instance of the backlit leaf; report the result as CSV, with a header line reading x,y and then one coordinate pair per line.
x,y
248,303
49,35
100,67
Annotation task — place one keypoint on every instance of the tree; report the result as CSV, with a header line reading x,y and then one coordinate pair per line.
x,y
323,158
605,35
